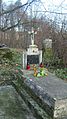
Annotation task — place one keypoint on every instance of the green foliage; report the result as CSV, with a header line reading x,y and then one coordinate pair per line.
x,y
48,55
51,61
61,73
54,64
17,56
8,55
8,60
57,63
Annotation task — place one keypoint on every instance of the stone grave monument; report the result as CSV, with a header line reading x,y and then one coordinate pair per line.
x,y
32,55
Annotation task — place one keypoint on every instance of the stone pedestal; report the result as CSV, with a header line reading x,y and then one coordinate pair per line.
x,y
32,56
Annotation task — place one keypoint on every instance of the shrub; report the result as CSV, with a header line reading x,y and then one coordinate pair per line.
x,y
61,73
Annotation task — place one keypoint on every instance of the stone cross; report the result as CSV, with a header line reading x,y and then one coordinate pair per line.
x,y
32,33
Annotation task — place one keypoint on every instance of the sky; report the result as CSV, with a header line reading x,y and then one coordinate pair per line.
x,y
54,2
58,6
53,5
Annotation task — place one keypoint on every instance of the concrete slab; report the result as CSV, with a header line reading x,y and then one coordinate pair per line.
x,y
55,88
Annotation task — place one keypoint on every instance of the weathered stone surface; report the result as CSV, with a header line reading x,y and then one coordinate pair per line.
x,y
60,108
12,106
50,93
37,111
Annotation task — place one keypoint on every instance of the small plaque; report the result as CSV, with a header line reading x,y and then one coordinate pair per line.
x,y
33,59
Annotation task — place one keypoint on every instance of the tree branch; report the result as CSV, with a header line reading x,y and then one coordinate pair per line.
x,y
15,25
18,7
7,28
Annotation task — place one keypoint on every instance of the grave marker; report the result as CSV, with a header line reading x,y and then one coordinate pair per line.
x,y
32,55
